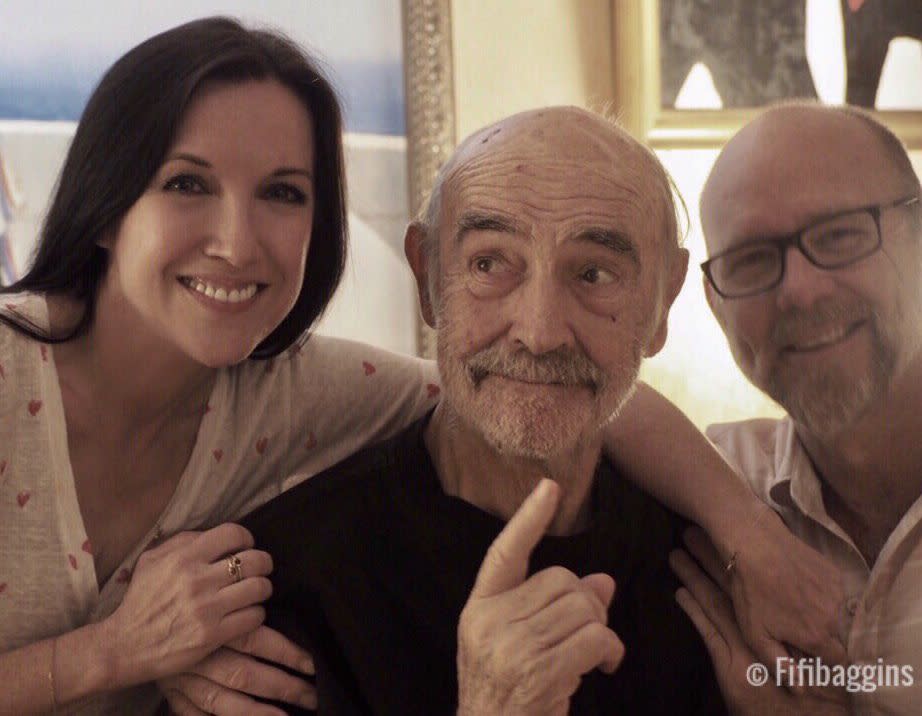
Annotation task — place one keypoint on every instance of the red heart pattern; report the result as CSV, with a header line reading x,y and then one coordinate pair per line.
x,y
124,576
369,368
23,497
87,547
218,454
34,407
261,445
72,560
432,390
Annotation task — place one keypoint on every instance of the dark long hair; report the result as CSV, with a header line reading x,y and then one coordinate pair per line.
x,y
127,128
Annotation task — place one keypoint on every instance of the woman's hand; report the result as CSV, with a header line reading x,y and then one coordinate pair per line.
x,y
185,601
223,682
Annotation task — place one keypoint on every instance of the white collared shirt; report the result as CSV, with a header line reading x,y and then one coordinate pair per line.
x,y
883,619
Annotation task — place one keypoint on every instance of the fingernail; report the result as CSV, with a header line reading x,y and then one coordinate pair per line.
x,y
307,666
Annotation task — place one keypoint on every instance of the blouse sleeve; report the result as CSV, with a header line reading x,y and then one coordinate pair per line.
x,y
315,405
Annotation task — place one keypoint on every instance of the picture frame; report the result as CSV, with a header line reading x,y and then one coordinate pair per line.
x,y
430,112
637,91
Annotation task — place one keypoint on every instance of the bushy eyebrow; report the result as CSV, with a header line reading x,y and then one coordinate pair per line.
x,y
480,221
613,241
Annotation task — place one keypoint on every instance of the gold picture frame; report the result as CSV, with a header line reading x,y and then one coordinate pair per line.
x,y
636,73
430,109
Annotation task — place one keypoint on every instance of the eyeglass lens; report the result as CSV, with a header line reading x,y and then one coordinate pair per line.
x,y
829,244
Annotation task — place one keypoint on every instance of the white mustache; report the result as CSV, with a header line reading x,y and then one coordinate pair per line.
x,y
562,366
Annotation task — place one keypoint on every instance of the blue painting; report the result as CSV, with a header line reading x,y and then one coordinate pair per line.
x,y
52,54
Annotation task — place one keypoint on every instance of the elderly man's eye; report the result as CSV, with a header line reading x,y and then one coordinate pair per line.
x,y
595,275
484,264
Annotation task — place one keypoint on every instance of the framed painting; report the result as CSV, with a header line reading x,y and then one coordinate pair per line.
x,y
689,73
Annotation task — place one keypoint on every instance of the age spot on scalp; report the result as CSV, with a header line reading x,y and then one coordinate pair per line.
x,y
490,135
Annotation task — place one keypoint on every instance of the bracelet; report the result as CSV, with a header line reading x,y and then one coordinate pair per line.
x,y
54,697
731,563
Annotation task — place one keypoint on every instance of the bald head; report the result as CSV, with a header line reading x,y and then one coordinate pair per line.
x,y
796,161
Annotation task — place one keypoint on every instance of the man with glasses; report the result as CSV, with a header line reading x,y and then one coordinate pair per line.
x,y
814,230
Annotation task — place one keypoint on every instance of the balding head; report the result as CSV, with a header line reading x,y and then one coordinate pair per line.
x,y
795,158
825,327
570,132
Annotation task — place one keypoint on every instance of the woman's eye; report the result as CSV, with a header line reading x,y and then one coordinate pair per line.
x,y
185,184
286,193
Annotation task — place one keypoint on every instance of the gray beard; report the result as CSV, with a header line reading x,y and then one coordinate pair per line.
x,y
827,402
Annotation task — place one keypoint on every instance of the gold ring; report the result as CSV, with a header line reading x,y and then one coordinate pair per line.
x,y
233,568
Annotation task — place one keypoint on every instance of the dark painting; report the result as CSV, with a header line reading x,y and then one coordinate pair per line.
x,y
756,50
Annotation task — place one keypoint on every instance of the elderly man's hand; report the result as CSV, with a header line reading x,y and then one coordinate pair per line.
x,y
224,682
747,686
524,644
783,591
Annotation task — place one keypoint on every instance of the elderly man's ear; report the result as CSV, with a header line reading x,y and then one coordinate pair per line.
x,y
414,246
678,268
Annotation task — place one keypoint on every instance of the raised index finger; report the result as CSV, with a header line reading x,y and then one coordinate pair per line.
x,y
506,563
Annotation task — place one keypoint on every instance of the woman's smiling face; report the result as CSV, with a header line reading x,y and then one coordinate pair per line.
x,y
210,259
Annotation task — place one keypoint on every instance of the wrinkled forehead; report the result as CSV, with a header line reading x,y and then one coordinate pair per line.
x,y
565,160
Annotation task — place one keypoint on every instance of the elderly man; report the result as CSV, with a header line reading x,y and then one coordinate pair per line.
x,y
548,268
814,230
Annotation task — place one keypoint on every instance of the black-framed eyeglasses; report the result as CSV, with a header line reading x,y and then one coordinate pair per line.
x,y
830,243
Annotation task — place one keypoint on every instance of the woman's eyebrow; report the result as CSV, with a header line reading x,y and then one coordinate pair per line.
x,y
192,158
287,171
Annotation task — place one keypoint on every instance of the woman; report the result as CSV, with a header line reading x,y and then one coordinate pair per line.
x,y
153,380
199,220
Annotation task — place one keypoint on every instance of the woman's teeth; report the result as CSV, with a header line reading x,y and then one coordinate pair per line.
x,y
221,294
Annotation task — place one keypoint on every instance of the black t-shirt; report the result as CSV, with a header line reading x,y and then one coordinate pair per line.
x,y
374,563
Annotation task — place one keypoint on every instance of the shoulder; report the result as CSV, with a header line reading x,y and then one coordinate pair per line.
x,y
337,369
757,448
337,497
650,525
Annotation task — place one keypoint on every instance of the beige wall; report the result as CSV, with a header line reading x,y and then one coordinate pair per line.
x,y
513,55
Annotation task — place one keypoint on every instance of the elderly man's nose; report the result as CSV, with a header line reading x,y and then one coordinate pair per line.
x,y
540,321
803,283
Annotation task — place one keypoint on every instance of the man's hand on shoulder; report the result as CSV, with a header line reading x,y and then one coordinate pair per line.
x,y
226,681
524,644
784,592
747,684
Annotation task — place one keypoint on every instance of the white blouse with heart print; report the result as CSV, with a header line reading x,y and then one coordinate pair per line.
x,y
266,426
